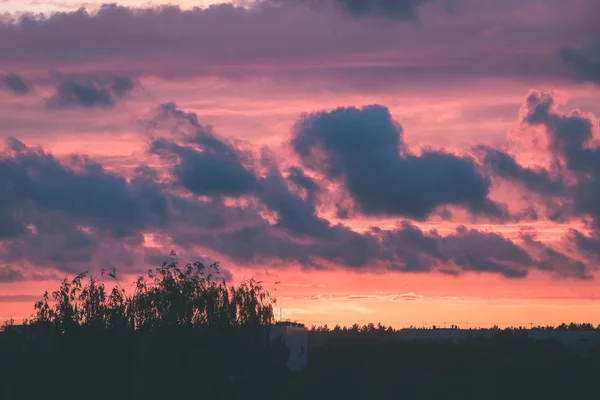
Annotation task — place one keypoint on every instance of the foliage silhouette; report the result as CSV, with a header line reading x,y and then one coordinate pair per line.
x,y
182,332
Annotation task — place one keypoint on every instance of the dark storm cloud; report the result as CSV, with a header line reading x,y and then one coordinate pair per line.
x,y
90,92
61,215
14,83
204,164
209,165
364,149
583,64
56,243
396,9
505,166
406,9
295,214
35,181
206,173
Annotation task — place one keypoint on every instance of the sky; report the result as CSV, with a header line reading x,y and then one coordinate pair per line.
x,y
409,162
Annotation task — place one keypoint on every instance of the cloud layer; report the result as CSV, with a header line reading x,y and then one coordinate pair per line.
x,y
236,43
356,158
218,197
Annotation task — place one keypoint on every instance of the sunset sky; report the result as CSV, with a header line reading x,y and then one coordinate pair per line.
x,y
406,162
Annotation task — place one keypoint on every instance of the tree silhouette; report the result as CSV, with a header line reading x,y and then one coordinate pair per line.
x,y
183,331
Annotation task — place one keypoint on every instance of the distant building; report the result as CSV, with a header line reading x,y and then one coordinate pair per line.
x,y
295,338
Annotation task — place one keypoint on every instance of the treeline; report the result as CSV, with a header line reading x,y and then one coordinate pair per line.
x,y
182,332
381,328
367,366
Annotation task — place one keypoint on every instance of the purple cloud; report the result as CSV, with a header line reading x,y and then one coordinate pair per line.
x,y
389,9
364,149
89,92
15,84
238,43
76,215
583,64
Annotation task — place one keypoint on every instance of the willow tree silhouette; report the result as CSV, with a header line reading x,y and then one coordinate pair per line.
x,y
184,331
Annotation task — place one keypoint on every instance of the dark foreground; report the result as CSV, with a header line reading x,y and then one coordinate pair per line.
x,y
194,364
506,367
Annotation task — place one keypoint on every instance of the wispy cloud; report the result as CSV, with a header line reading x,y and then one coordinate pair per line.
x,y
410,296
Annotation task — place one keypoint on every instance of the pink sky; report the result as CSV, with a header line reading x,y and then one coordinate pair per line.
x,y
248,136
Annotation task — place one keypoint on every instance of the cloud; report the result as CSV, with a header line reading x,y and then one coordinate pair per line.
x,y
208,165
568,134
15,84
584,65
295,214
299,177
410,296
573,180
589,245
299,235
271,41
413,250
73,215
392,9
36,182
19,298
405,249
405,9
203,164
560,264
504,165
206,173
9,274
364,149
570,143
63,215
90,92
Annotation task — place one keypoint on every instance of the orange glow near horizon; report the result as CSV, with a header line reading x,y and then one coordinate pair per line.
x,y
400,300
